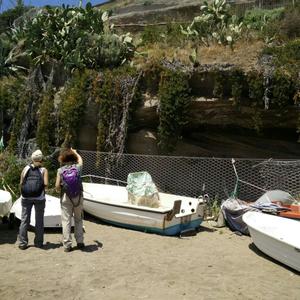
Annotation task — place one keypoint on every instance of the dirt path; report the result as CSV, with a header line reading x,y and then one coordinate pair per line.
x,y
125,264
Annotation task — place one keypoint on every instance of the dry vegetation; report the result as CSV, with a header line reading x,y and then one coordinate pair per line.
x,y
244,55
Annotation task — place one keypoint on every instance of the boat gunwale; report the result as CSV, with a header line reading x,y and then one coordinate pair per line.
x,y
117,181
130,206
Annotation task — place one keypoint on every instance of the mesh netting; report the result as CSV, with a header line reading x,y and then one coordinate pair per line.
x,y
191,176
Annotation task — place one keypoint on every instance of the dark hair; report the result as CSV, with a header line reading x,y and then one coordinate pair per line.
x,y
67,156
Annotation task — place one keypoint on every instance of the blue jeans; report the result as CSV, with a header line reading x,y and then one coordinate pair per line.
x,y
39,206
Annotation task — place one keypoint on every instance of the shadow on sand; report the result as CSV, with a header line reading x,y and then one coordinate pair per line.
x,y
7,235
204,228
94,247
261,254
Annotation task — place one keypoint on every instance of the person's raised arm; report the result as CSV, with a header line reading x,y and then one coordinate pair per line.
x,y
79,158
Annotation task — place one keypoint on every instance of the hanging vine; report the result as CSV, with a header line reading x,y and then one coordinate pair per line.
x,y
283,89
256,94
45,133
72,106
237,83
10,91
219,82
174,96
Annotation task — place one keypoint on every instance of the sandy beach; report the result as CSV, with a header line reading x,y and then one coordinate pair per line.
x,y
125,264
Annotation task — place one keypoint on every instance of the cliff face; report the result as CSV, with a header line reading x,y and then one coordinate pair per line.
x,y
217,128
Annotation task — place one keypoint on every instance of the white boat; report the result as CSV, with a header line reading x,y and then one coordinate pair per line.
x,y
175,215
52,216
5,203
275,236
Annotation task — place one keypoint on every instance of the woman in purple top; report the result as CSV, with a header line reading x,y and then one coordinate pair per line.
x,y
70,161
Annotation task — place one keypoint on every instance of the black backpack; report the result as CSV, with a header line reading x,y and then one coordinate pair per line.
x,y
33,183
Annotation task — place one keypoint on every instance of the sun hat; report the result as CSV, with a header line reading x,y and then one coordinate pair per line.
x,y
37,156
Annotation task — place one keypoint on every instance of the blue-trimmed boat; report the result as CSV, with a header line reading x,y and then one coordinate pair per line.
x,y
175,215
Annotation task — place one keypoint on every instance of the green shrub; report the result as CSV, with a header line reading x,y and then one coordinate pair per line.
x,y
169,34
10,90
237,79
219,83
174,96
72,107
286,57
290,25
46,126
258,18
256,88
74,36
152,34
10,168
282,90
23,112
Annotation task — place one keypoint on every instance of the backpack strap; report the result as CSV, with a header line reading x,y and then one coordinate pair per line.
x,y
25,172
74,205
78,203
28,168
40,169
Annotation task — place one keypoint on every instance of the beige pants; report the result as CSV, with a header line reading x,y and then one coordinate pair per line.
x,y
67,211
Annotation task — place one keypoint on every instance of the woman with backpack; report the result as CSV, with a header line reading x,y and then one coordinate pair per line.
x,y
34,179
68,182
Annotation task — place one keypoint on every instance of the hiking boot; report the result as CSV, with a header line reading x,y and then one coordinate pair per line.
x,y
80,245
23,247
68,249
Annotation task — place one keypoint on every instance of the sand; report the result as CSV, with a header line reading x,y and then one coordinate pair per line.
x,y
125,264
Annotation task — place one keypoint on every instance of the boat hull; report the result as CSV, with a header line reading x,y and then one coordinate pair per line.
x,y
5,203
111,206
52,215
275,236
